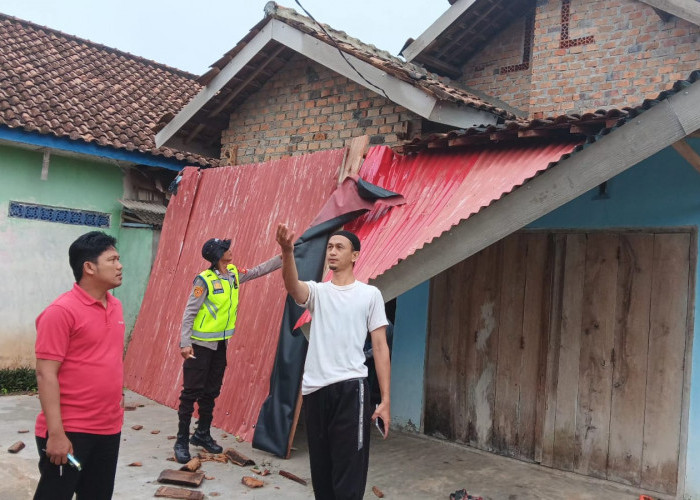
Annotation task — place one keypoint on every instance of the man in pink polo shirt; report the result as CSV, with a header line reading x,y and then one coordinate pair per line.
x,y
79,371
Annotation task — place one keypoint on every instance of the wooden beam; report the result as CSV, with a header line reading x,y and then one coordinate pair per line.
x,y
533,132
46,160
435,30
685,9
439,66
468,140
688,153
666,123
354,157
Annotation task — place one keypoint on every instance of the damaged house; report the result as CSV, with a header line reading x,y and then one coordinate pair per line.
x,y
544,263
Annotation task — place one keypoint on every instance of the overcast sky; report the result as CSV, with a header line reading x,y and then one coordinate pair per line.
x,y
191,35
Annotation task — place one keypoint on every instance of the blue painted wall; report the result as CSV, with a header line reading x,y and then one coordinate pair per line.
x,y
662,191
408,358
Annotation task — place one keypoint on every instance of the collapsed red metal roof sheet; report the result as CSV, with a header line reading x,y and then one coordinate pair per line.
x,y
243,203
441,189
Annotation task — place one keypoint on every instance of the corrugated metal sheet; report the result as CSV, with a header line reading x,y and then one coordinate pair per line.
x,y
290,190
441,189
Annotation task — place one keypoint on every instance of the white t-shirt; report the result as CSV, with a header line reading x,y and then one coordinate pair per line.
x,y
342,317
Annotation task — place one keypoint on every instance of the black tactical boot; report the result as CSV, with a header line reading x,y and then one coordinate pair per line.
x,y
182,445
202,437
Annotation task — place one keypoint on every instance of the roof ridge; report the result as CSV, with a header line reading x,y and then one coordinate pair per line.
x,y
99,46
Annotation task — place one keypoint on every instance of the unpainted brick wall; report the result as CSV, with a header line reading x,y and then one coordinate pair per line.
x,y
307,107
483,71
634,56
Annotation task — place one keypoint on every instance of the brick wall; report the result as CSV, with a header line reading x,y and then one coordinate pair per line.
x,y
306,107
617,53
498,70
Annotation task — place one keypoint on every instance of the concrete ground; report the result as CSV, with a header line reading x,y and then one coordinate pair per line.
x,y
404,466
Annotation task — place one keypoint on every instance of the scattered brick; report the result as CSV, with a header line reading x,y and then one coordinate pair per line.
x,y
293,477
251,482
17,447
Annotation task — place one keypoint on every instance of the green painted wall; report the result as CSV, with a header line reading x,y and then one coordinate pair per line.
x,y
136,248
34,266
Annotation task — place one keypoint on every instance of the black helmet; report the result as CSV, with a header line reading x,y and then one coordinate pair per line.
x,y
214,249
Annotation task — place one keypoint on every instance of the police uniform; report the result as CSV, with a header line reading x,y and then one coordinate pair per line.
x,y
209,320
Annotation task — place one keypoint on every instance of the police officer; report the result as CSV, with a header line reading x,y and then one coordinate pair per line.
x,y
208,322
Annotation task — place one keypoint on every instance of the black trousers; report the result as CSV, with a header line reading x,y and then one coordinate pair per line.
x,y
202,379
338,424
97,455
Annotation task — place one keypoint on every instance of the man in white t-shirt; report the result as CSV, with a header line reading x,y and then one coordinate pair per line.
x,y
334,385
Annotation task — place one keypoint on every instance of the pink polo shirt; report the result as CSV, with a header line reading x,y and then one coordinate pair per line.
x,y
88,340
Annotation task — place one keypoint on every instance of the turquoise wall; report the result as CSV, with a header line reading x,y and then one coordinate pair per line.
x,y
34,254
663,191
136,249
408,358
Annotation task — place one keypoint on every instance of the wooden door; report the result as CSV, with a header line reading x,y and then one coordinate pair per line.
x,y
557,348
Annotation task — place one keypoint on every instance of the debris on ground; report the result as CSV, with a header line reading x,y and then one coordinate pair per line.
x,y
214,494
16,448
184,478
463,495
22,431
238,458
129,407
193,465
181,493
293,477
212,457
137,427
377,492
262,472
155,431
251,482
172,437
209,478
135,464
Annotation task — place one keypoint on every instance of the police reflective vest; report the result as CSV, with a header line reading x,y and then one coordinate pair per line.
x,y
216,318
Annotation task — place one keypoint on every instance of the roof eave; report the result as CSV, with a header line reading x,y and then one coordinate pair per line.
x,y
409,96
690,11
436,29
657,128
254,46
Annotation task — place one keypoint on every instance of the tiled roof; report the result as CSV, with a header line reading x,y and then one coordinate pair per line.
x,y
57,84
591,125
407,72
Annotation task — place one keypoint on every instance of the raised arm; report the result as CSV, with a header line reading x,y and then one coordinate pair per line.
x,y
297,289
261,269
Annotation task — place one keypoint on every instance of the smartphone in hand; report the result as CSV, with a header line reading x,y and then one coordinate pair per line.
x,y
380,425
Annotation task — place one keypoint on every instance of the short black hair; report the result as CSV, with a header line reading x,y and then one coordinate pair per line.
x,y
354,240
87,248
